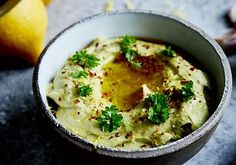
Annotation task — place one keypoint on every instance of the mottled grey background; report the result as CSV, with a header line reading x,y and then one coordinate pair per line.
x,y
25,136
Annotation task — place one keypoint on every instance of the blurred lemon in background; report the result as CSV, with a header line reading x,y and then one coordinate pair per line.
x,y
23,25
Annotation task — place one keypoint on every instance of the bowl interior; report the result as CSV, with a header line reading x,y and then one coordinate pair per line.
x,y
140,24
136,24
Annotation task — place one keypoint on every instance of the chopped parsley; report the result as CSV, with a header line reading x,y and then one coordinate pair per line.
x,y
135,64
78,74
110,120
126,46
84,90
187,91
158,111
168,52
84,59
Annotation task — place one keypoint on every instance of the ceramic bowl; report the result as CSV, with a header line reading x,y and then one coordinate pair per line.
x,y
141,24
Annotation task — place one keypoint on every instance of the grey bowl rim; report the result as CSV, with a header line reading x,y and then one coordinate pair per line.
x,y
149,152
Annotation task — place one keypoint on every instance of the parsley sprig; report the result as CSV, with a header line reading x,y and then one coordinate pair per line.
x,y
187,91
158,111
168,52
110,120
84,59
126,46
78,74
84,90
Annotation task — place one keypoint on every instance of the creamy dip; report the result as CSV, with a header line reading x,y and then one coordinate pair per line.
x,y
117,81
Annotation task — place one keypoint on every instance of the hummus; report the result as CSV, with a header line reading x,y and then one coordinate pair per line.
x,y
82,91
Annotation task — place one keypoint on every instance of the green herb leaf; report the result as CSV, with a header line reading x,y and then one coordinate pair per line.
x,y
135,64
110,120
78,74
84,90
187,91
168,52
84,59
126,46
158,108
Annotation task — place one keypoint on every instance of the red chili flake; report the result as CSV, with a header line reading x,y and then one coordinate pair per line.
x,y
106,94
92,117
143,146
128,135
117,134
146,46
125,110
106,73
184,81
109,94
119,59
150,64
91,74
77,101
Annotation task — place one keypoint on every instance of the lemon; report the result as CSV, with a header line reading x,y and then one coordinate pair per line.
x,y
46,2
23,25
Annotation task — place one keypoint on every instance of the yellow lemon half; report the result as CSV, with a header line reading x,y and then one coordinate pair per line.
x,y
23,25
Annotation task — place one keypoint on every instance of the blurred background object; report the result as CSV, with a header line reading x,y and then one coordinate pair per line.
x,y
228,41
22,29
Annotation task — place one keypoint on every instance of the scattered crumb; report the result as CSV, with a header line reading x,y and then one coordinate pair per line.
x,y
129,4
175,11
179,13
109,5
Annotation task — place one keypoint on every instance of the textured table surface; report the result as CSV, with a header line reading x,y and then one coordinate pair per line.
x,y
26,138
